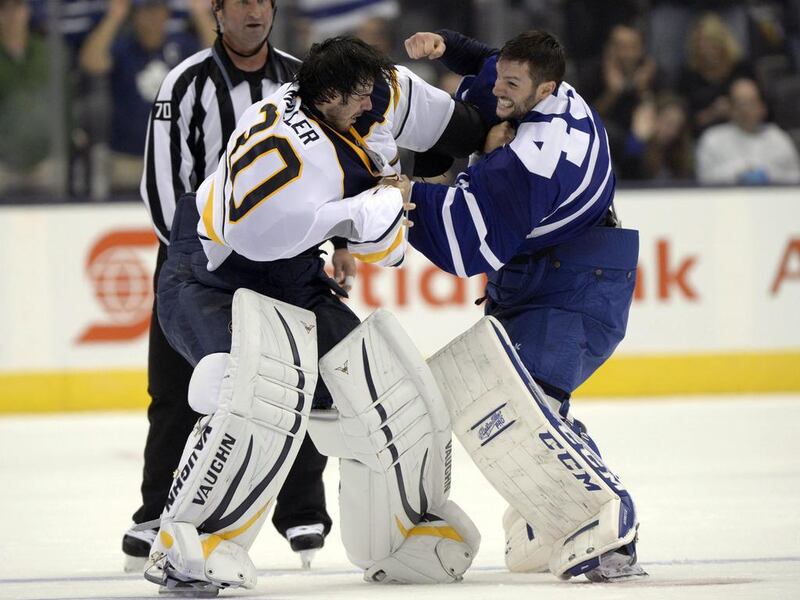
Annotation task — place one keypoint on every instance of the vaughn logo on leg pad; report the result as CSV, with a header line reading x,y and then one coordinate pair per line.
x,y
187,468
448,465
211,476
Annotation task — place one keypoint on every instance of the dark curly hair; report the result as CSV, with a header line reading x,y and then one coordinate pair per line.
x,y
340,65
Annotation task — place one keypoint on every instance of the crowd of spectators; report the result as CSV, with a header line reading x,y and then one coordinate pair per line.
x,y
700,91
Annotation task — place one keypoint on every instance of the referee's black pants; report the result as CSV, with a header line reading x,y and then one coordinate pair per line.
x,y
301,501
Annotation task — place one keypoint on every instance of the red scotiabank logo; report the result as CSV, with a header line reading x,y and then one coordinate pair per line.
x,y
669,278
123,285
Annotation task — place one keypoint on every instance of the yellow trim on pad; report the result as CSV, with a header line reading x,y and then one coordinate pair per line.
x,y
623,375
229,535
166,539
430,530
210,544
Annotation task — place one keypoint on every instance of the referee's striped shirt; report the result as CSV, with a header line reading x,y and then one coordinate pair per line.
x,y
193,116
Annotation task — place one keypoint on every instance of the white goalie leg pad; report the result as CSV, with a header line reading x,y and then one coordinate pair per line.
x,y
393,434
189,557
529,453
437,550
528,549
237,458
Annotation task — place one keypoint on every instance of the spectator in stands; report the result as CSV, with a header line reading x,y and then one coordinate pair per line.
x,y
617,83
714,61
587,25
669,22
659,147
622,79
792,24
747,150
25,105
135,60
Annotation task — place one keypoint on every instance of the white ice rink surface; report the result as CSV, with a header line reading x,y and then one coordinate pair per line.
x,y
716,482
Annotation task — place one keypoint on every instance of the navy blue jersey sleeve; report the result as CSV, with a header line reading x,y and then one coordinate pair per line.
x,y
549,184
482,222
463,55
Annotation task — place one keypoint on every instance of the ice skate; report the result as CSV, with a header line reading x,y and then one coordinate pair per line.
x,y
616,566
170,583
306,540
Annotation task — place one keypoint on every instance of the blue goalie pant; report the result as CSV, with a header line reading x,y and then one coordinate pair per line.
x,y
566,307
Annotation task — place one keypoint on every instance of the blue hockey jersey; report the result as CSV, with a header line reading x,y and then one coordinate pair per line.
x,y
549,185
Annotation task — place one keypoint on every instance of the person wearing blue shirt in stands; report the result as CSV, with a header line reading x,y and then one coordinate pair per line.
x,y
135,60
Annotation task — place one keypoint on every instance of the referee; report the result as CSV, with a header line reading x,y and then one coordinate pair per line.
x,y
193,116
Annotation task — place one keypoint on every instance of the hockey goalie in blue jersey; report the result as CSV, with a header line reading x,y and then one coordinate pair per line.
x,y
535,214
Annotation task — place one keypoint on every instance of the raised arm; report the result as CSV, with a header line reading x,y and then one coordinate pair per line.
x,y
459,53
95,55
203,21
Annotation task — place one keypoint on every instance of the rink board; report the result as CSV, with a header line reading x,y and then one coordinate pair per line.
x,y
715,308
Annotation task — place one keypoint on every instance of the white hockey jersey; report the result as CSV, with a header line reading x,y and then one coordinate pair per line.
x,y
287,181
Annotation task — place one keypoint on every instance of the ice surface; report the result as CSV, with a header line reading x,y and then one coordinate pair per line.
x,y
716,481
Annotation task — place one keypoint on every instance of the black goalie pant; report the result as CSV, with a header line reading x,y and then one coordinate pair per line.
x,y
302,498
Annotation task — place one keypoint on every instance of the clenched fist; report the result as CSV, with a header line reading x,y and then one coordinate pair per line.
x,y
425,45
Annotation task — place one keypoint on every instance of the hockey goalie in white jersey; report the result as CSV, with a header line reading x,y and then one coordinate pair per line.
x,y
293,177
243,297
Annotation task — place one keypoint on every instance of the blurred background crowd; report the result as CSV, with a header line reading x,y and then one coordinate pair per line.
x,y
691,91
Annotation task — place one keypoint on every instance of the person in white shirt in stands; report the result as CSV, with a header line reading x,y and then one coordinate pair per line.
x,y
747,150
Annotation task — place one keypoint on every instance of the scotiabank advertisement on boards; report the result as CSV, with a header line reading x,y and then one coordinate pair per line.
x,y
719,272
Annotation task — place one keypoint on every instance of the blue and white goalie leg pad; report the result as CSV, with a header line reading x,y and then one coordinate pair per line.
x,y
238,456
529,453
393,438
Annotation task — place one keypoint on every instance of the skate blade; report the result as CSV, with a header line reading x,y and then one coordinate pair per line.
x,y
187,589
188,592
631,573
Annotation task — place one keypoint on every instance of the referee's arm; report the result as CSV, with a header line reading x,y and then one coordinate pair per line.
x,y
168,160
